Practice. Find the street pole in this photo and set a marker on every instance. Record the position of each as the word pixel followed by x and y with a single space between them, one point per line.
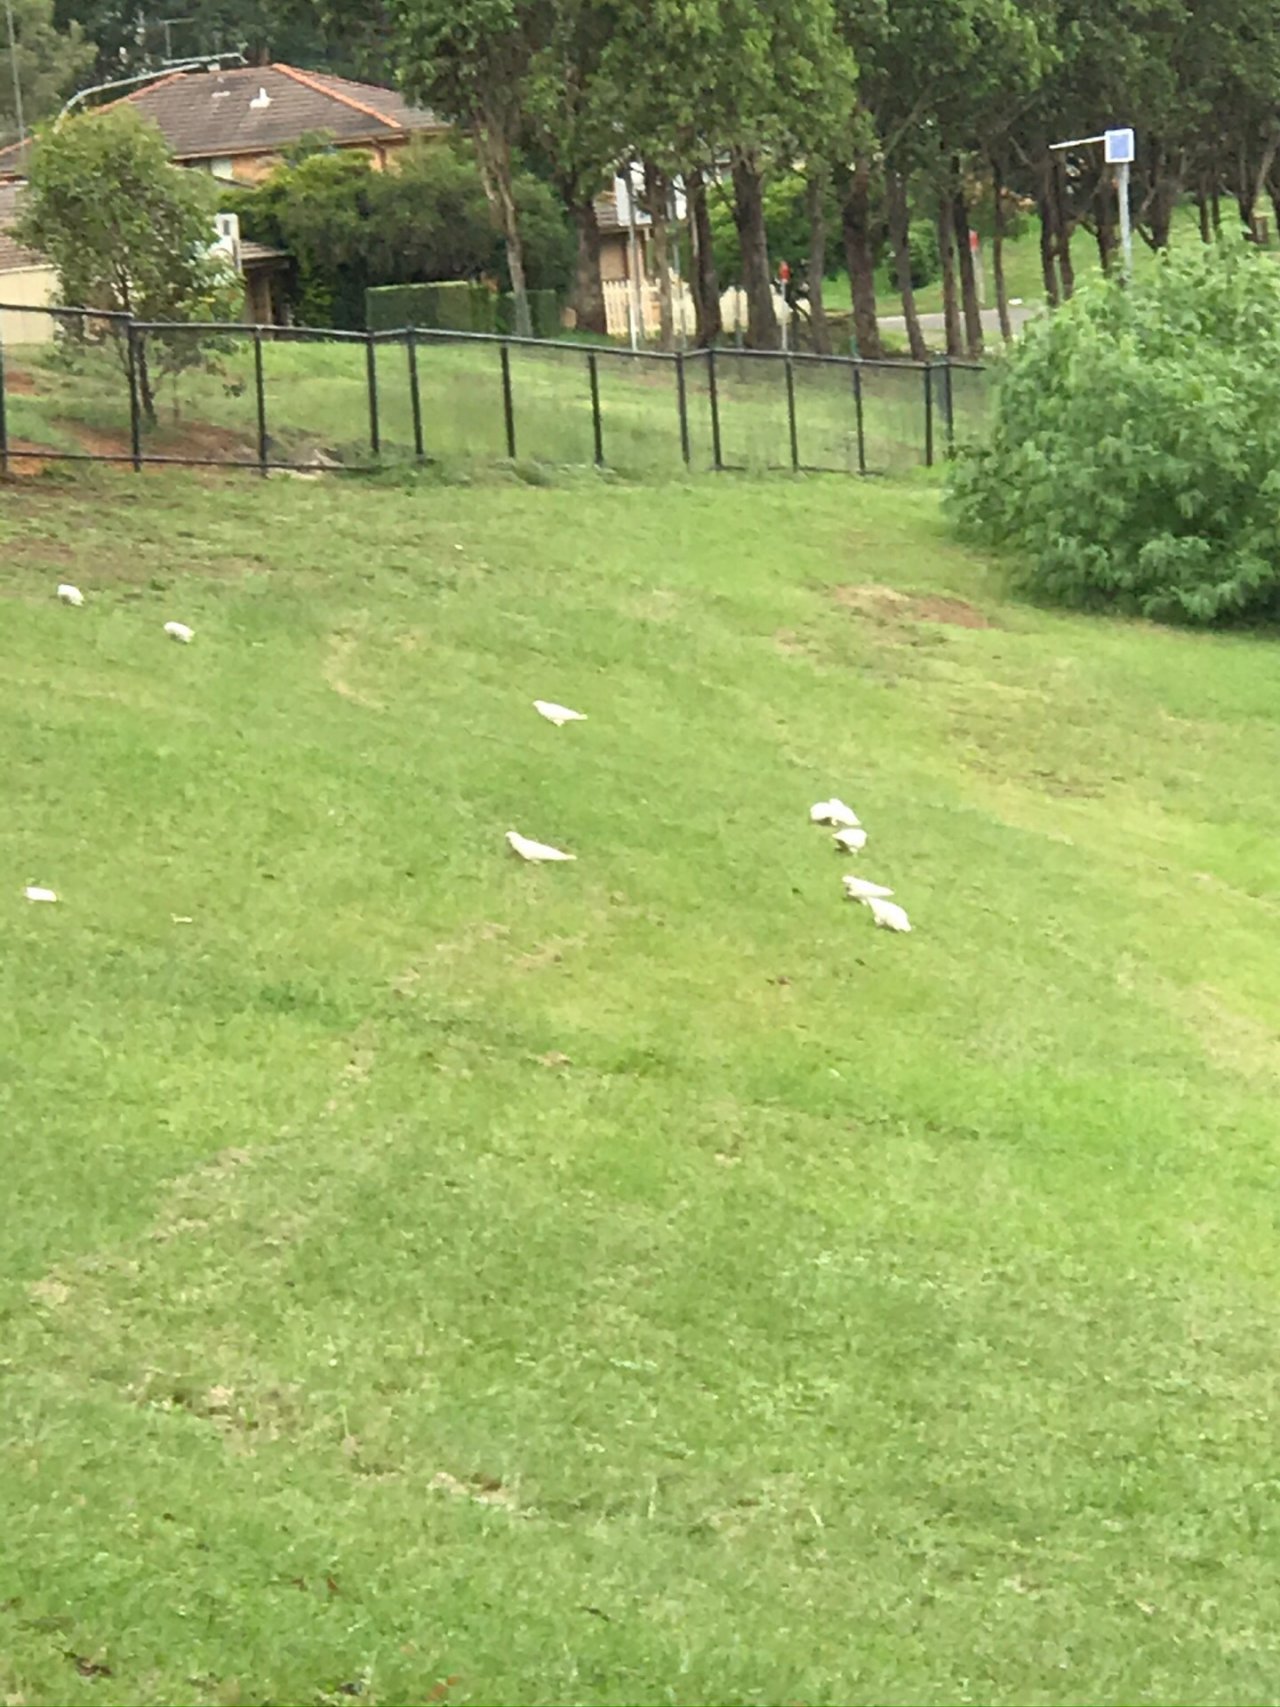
pixel 1126 226
pixel 13 67
pixel 1118 147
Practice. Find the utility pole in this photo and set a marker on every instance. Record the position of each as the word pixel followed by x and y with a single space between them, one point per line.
pixel 13 67
pixel 1118 152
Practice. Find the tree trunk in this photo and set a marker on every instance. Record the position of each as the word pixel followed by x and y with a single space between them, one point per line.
pixel 588 290
pixel 1202 209
pixel 1062 229
pixel 947 255
pixel 968 272
pixel 146 387
pixel 655 193
pixel 748 214
pixel 1048 238
pixel 817 196
pixel 997 251
pixel 1215 204
pixel 900 238
pixel 706 286
pixel 1105 224
pixel 859 258
pixel 493 157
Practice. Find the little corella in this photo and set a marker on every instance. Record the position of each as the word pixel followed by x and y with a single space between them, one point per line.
pixel 558 714
pixel 180 631
pixel 862 889
pixel 34 893
pixel 70 595
pixel 537 853
pixel 852 840
pixel 887 914
pixel 834 812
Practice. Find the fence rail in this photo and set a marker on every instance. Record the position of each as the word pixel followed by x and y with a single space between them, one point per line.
pixel 109 388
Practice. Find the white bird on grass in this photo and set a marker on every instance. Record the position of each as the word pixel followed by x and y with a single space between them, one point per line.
pixel 852 840
pixel 70 595
pixel 862 889
pixel 33 893
pixel 887 914
pixel 558 714
pixel 537 853
pixel 180 631
pixel 834 812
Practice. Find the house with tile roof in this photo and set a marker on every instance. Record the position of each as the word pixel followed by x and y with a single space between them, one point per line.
pixel 27 281
pixel 236 123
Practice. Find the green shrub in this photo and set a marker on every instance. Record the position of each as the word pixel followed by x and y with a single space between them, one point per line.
pixel 926 262
pixel 544 313
pixel 1134 456
pixel 451 305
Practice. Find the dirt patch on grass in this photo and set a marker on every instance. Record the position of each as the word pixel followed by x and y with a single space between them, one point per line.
pixel 19 382
pixel 340 651
pixel 887 605
pixel 1239 1042
pixel 27 460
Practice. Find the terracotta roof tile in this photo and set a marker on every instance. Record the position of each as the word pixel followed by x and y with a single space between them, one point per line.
pixel 12 254
pixel 210 115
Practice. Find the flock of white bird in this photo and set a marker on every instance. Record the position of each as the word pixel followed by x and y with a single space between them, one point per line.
pixel 849 836
pixel 69 595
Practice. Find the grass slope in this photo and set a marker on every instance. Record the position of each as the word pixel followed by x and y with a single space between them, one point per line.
pixel 433 1277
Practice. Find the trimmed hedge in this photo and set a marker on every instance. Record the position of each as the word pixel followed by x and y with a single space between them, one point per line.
pixel 457 305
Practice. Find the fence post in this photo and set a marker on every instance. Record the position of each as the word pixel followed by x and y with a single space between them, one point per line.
pixel 508 407
pixel 4 425
pixel 597 426
pixel 791 414
pixel 928 415
pixel 135 406
pixel 683 402
pixel 371 371
pixel 713 397
pixel 857 415
pixel 415 394
pixel 260 392
pixel 951 412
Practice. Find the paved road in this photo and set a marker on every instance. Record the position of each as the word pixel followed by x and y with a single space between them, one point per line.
pixel 933 324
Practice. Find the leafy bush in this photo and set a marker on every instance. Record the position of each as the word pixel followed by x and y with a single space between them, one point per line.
pixel 926 262
pixel 350 228
pixel 1134 457
pixel 458 305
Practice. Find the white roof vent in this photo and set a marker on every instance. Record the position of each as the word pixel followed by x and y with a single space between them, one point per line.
pixel 260 102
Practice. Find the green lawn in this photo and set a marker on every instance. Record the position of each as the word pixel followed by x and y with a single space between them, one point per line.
pixel 432 1277
pixel 317 399
pixel 1023 277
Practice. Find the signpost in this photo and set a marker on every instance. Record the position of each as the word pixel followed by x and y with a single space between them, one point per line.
pixel 1118 151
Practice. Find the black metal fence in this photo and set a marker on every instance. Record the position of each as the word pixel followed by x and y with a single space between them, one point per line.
pixel 77 385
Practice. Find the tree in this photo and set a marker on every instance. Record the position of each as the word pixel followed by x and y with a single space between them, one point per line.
pixel 573 129
pixel 349 227
pixel 1134 456
pixel 127 38
pixel 471 61
pixel 49 62
pixel 128 232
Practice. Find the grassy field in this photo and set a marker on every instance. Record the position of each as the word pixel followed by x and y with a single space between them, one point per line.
pixel 432 1278
pixel 317 399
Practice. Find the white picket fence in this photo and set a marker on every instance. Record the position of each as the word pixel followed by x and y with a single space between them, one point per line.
pixel 618 308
